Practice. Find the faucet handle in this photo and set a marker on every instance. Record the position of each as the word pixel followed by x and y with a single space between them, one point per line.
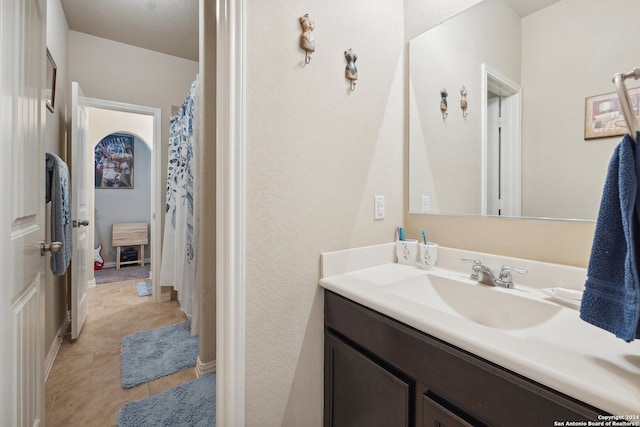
pixel 507 268
pixel 505 279
pixel 475 269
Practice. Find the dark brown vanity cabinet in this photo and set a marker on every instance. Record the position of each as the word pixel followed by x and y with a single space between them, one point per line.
pixel 380 372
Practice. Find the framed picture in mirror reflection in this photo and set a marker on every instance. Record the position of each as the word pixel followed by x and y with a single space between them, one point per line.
pixel 603 115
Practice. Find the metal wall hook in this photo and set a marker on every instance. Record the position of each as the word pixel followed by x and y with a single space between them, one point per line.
pixel 351 72
pixel 463 101
pixel 443 103
pixel 307 41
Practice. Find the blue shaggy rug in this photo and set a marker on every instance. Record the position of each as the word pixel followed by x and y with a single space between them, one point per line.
pixel 148 355
pixel 192 404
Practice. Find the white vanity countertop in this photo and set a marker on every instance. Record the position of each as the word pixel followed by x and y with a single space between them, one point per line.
pixel 562 352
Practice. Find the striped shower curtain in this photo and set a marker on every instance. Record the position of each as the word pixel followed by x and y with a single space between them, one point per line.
pixel 178 249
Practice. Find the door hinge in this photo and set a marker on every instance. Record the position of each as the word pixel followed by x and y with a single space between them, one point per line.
pixel 500 121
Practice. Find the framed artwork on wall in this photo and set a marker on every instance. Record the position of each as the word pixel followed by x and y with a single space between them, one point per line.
pixel 50 84
pixel 603 115
pixel 114 162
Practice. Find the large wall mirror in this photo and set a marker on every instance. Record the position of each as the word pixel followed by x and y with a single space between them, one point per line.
pixel 520 148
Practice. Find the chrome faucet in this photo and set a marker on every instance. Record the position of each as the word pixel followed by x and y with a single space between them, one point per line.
pixel 483 274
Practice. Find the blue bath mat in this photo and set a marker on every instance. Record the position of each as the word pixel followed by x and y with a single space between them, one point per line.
pixel 189 404
pixel 144 288
pixel 148 355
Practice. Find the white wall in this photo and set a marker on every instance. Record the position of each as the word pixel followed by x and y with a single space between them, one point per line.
pixel 115 71
pixel 316 156
pixel 570 52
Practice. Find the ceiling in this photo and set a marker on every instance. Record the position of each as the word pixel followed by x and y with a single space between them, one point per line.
pixel 527 7
pixel 166 26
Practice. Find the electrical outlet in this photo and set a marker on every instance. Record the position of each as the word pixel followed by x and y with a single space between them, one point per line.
pixel 378 207
pixel 424 207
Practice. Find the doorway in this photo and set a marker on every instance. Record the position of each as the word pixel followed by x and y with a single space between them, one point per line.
pixel 143 122
pixel 122 194
pixel 501 144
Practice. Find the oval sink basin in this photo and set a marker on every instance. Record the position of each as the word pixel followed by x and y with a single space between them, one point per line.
pixel 491 306
pixel 499 308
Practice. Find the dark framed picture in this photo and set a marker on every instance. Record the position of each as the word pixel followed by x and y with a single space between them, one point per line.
pixel 114 162
pixel 603 115
pixel 50 84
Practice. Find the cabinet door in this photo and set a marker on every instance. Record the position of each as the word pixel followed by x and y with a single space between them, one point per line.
pixel 359 392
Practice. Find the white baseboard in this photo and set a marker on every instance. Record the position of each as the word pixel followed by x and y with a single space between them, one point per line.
pixel 205 368
pixel 55 347
pixel 92 282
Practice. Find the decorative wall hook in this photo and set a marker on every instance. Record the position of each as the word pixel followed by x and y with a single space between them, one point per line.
pixel 306 39
pixel 443 103
pixel 351 72
pixel 463 101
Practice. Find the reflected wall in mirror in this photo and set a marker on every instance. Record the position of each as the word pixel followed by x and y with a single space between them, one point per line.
pixel 556 56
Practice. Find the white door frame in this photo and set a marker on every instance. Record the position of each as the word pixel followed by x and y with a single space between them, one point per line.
pixel 230 209
pixel 511 128
pixel 79 211
pixel 156 165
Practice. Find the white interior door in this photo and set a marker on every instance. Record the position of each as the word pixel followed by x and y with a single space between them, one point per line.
pixel 22 213
pixel 79 210
pixel 493 156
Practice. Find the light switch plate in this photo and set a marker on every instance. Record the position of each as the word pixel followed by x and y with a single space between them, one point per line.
pixel 378 207
pixel 424 207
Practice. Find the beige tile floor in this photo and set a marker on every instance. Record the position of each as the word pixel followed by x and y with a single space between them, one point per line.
pixel 83 387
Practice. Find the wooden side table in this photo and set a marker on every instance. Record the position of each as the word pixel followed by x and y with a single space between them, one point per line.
pixel 130 234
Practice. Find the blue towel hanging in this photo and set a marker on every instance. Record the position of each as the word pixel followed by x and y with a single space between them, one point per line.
pixel 58 192
pixel 611 299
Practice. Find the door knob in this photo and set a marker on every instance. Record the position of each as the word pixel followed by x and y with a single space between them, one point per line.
pixel 53 247
pixel 77 224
